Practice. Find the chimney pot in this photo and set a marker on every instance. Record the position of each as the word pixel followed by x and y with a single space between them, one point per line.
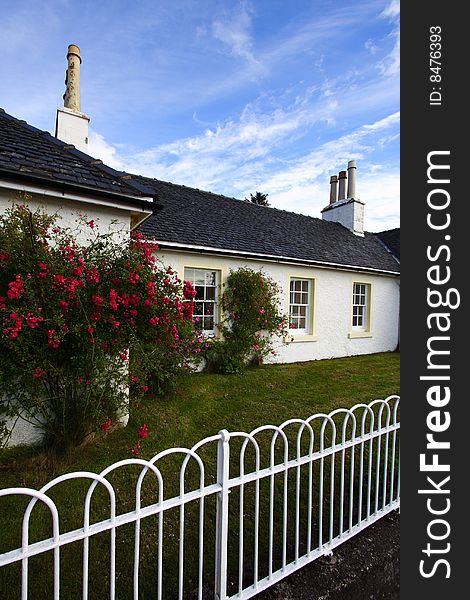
pixel 333 189
pixel 72 79
pixel 342 185
pixel 351 179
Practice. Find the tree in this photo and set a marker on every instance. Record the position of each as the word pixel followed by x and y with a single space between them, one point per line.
pixel 259 198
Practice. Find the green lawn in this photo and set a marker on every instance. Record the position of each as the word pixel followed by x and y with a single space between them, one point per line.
pixel 202 405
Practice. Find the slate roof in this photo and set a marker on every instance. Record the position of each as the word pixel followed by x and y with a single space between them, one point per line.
pixel 28 153
pixel 191 217
pixel 391 238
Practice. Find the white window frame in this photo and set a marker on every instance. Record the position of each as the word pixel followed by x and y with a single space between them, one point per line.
pixel 308 304
pixel 190 274
pixel 360 317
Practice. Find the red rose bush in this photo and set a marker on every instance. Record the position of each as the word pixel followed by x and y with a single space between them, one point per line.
pixel 80 322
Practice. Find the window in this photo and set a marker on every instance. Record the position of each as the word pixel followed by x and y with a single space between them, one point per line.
pixel 205 303
pixel 300 302
pixel 360 306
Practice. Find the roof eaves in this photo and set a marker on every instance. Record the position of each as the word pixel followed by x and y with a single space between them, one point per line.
pixel 272 257
pixel 148 202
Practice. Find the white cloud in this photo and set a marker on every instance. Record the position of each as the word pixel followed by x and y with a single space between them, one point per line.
pixel 371 46
pixel 235 32
pixel 239 158
pixel 392 9
pixel 390 65
pixel 99 148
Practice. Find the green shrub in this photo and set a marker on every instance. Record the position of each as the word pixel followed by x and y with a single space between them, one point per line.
pixel 252 319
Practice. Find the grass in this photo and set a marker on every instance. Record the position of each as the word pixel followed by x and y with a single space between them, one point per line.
pixel 202 405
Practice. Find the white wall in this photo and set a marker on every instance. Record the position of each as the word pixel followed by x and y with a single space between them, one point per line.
pixel 106 218
pixel 332 336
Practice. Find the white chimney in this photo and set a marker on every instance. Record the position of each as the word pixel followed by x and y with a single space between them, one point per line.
pixel 71 124
pixel 347 209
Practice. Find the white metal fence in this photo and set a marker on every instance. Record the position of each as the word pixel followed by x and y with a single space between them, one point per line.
pixel 293 493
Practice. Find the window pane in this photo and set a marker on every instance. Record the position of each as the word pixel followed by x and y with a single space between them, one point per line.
pixel 210 277
pixel 189 275
pixel 299 300
pixel 361 293
pixel 199 278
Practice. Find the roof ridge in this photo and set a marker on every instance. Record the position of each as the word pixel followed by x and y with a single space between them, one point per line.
pixel 231 198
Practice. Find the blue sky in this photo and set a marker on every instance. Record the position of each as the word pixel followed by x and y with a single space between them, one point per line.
pixel 228 96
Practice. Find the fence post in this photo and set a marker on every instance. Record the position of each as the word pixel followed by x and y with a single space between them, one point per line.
pixel 221 522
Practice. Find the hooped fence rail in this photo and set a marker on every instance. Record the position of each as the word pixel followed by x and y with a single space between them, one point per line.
pixel 306 488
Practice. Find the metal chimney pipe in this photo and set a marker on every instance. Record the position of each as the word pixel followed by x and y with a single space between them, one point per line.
pixel 352 179
pixel 72 79
pixel 333 189
pixel 342 185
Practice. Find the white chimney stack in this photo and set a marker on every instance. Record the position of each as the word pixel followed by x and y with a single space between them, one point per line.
pixel 346 209
pixel 71 124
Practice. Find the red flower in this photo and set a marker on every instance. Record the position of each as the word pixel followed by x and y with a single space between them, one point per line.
pixel 52 341
pixel 142 432
pixel 136 449
pixel 93 275
pixel 44 270
pixel 113 300
pixel 106 425
pixel 79 270
pixel 38 373
pixel 63 305
pixel 15 288
pixel 33 321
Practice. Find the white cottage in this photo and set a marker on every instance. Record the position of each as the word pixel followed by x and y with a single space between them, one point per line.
pixel 340 284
